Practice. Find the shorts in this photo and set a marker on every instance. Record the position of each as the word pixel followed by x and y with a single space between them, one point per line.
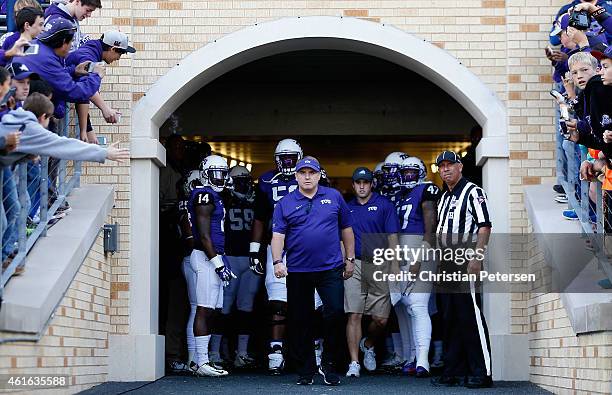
pixel 363 295
pixel 241 291
pixel 276 287
pixel 203 283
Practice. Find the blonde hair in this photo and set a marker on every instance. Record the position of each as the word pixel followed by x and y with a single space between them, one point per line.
pixel 21 4
pixel 583 57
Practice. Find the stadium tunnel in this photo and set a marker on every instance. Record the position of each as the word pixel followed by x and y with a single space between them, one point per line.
pixel 345 108
pixel 350 91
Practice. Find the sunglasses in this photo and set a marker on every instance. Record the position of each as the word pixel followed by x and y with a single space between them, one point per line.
pixel 120 51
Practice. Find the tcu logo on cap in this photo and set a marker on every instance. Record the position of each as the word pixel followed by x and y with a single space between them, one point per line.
pixel 117 43
pixel 325 201
pixel 307 161
pixel 373 208
pixel 362 172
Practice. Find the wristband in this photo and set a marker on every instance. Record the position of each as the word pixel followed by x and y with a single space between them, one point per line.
pixel 598 12
pixel 217 261
pixel 351 260
pixel 254 246
pixel 276 262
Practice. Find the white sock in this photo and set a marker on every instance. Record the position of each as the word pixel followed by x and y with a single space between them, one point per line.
pixel 397 344
pixel 215 344
pixel 243 344
pixel 190 337
pixel 201 343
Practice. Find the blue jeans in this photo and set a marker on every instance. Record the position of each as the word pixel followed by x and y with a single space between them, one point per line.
pixel 34 187
pixel 12 207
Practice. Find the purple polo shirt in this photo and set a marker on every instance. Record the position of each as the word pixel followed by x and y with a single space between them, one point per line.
pixel 377 216
pixel 312 229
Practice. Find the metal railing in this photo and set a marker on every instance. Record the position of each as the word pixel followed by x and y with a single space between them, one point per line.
pixel 591 215
pixel 56 176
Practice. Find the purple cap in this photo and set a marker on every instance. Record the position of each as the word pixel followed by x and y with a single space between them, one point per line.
pixel 55 27
pixel 20 71
pixel 605 54
pixel 561 25
pixel 309 162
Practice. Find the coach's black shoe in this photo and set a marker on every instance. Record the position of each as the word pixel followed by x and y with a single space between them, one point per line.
pixel 329 376
pixel 445 381
pixel 479 382
pixel 305 380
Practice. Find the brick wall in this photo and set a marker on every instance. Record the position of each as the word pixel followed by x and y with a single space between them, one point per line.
pixel 76 341
pixel 562 362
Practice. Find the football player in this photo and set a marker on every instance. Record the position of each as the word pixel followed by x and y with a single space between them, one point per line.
pixel 377 182
pixel 390 174
pixel 241 292
pixel 272 187
pixel 416 206
pixel 191 182
pixel 209 271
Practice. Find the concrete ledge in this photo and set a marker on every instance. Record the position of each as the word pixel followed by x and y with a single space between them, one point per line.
pixel 587 312
pixel 31 299
pixel 136 357
pixel 147 148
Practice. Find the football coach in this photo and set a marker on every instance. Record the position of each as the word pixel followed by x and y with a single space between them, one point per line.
pixel 308 225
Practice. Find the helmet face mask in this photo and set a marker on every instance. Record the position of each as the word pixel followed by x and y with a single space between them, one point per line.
pixel 214 173
pixel 411 172
pixel 286 156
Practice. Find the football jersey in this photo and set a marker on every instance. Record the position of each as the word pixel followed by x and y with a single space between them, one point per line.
pixel 408 204
pixel 270 189
pixel 202 197
pixel 238 224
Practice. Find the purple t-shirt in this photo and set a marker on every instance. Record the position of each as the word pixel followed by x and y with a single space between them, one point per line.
pixel 375 217
pixel 312 229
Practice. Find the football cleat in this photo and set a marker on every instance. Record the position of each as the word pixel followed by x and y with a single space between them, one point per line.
pixel 421 372
pixel 276 363
pixel 208 369
pixel 393 362
pixel 244 361
pixel 329 376
pixel 409 368
pixel 354 369
pixel 178 367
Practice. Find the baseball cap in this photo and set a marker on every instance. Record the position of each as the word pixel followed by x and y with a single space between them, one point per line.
pixel 449 156
pixel 605 52
pixel 362 173
pixel 55 27
pixel 309 162
pixel 561 25
pixel 117 39
pixel 20 71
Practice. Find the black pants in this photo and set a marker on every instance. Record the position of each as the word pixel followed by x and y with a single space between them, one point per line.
pixel 300 303
pixel 466 341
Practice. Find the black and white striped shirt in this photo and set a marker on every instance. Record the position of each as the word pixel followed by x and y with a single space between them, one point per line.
pixel 461 212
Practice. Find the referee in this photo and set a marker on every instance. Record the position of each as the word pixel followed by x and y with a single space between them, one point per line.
pixel 463 221
pixel 308 224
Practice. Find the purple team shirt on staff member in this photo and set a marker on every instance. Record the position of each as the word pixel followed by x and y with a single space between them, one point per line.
pixel 312 229
pixel 376 216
